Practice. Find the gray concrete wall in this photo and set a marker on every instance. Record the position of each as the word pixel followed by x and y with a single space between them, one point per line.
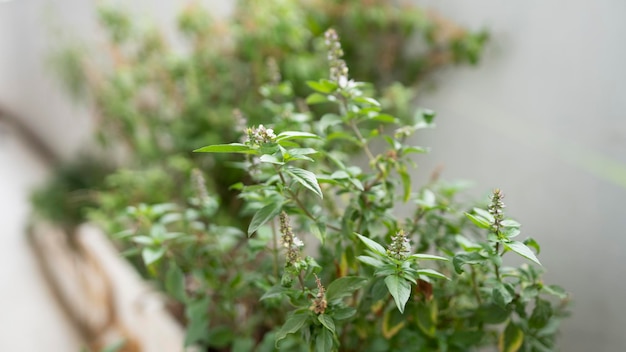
pixel 544 118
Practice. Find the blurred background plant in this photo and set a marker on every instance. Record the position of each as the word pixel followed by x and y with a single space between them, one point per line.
pixel 155 99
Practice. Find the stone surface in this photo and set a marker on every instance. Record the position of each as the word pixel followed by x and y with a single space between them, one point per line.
pixel 30 318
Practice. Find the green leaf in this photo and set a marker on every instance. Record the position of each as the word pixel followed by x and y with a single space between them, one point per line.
pixel 479 221
pixel 152 254
pixel 466 258
pixel 400 290
pixel 425 114
pixel 370 261
pixel 511 339
pixel 384 118
pixel 175 283
pixel 367 100
pixel 287 135
pixel 264 215
pixel 432 273
pixel 510 223
pixel 427 257
pixel 323 86
pixel 522 249
pixel 302 151
pixel 329 120
pixel 317 98
pixel 485 214
pixel 344 313
pixel 197 314
pixel 406 183
pixel 372 245
pixel 555 290
pixel 293 324
pixel 307 179
pixel 324 341
pixel 530 242
pixel 273 292
pixel 428 199
pixel 414 150
pixel 541 314
pixel 319 231
pixel 466 244
pixel 510 232
pixel 327 321
pixel 270 159
pixel 427 317
pixel 344 286
pixel 501 296
pixel 227 148
pixel 145 240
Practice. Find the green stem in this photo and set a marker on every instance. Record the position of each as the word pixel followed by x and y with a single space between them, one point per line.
pixel 298 202
pixel 495 266
pixel 475 286
pixel 275 249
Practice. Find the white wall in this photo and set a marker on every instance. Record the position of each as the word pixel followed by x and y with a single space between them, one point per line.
pixel 541 118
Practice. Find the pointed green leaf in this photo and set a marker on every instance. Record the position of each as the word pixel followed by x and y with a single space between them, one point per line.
pixel 274 291
pixel 523 250
pixel 287 135
pixel 370 261
pixel 324 341
pixel 226 148
pixel 270 159
pixel 264 215
pixel 466 258
pixel 530 242
pixel 367 100
pixel 344 286
pixel 406 183
pixel 323 86
pixel 510 223
pixel 317 98
pixel 175 283
pixel 372 245
pixel 485 214
pixel 432 273
pixel 293 324
pixel 501 296
pixel 555 290
pixel 400 290
pixel 428 257
pixel 152 254
pixel 479 221
pixel 327 321
pixel 511 338
pixel 307 179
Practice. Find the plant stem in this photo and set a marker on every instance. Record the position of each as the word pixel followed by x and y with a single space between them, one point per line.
pixel 495 266
pixel 475 286
pixel 275 249
pixel 298 202
pixel 301 282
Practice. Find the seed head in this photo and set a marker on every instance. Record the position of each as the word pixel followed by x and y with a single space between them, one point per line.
pixel 319 301
pixel 496 208
pixel 338 67
pixel 400 247
pixel 290 242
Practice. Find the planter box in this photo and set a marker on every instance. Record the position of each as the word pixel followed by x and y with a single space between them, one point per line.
pixel 107 301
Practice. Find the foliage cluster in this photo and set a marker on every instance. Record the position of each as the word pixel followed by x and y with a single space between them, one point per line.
pixel 155 98
pixel 282 239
